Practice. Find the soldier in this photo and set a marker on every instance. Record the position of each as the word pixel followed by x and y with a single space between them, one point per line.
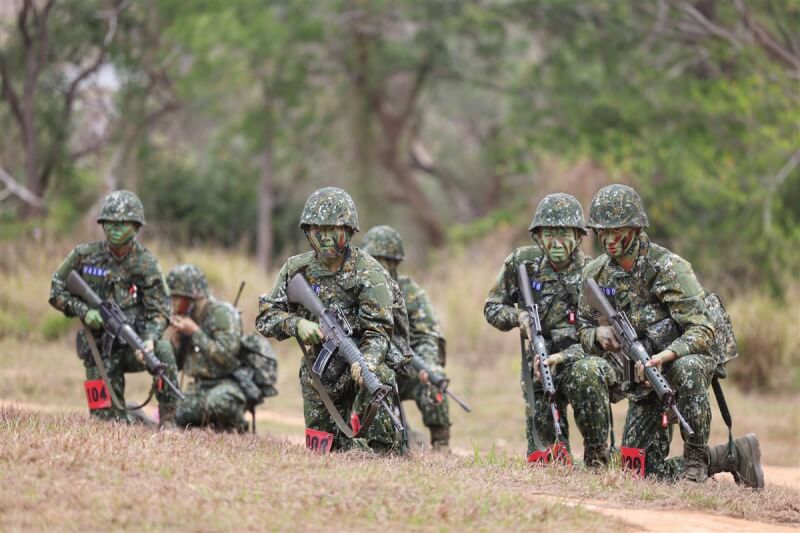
pixel 658 291
pixel 123 270
pixel 343 276
pixel 554 266
pixel 206 334
pixel 385 244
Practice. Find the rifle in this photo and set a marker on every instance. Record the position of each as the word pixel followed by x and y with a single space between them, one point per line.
pixel 633 349
pixel 117 326
pixel 538 347
pixel 337 333
pixel 438 380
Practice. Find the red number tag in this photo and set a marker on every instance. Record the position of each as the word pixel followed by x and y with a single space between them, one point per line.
pixel 97 394
pixel 633 459
pixel 557 453
pixel 318 441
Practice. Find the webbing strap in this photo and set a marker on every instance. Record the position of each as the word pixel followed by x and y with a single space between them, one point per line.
pixel 98 362
pixel 344 427
pixel 723 409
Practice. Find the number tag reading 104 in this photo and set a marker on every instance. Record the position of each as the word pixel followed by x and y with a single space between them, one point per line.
pixel 633 460
pixel 97 394
pixel 318 441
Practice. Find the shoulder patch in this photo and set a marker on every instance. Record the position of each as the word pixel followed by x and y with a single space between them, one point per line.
pixel 526 253
pixel 594 266
pixel 296 262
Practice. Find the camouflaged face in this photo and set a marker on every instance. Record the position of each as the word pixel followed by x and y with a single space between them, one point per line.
pixel 187 280
pixel 558 210
pixel 384 241
pixel 122 206
pixel 617 206
pixel 329 206
pixel 213 352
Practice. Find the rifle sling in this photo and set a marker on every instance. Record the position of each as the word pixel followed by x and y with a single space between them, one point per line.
pixel 527 379
pixel 372 409
pixel 723 409
pixel 98 362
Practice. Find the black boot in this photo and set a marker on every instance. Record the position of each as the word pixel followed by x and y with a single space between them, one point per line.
pixel 595 455
pixel 440 438
pixel 166 415
pixel 696 462
pixel 744 461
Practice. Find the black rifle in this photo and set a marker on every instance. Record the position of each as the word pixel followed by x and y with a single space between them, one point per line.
pixel 337 333
pixel 117 326
pixel 438 380
pixel 633 349
pixel 538 346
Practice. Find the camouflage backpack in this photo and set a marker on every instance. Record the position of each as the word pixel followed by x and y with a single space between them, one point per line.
pixel 724 347
pixel 259 372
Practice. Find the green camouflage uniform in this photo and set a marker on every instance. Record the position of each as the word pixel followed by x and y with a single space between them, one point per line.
pixel 580 381
pixel 363 291
pixel 137 284
pixel 664 303
pixel 426 342
pixel 211 356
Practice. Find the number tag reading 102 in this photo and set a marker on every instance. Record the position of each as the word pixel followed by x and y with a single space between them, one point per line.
pixel 633 459
pixel 318 441
pixel 97 394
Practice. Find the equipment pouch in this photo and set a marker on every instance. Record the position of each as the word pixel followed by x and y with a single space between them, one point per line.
pixel 244 377
pixel 563 338
pixel 662 333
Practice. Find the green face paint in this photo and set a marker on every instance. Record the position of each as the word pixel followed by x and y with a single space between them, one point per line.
pixel 119 233
pixel 328 242
pixel 558 243
pixel 617 242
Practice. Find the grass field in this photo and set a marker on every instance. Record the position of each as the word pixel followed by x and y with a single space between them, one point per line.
pixel 60 471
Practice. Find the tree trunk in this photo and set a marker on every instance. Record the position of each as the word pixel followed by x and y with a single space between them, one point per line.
pixel 264 237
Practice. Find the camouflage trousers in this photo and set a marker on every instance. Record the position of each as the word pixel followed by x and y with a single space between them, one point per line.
pixel 689 377
pixel 431 403
pixel 381 436
pixel 583 384
pixel 121 361
pixel 218 403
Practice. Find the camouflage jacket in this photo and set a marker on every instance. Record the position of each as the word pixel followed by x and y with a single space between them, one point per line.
pixel 556 294
pixel 661 297
pixel 361 289
pixel 212 352
pixel 425 335
pixel 135 282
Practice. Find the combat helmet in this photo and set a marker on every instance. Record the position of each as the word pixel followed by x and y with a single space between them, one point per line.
pixel 121 206
pixel 558 210
pixel 617 206
pixel 187 280
pixel 384 241
pixel 329 206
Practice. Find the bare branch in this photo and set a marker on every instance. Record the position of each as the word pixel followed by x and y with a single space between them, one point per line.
pixel 22 23
pixel 9 93
pixel 765 39
pixel 709 26
pixel 18 190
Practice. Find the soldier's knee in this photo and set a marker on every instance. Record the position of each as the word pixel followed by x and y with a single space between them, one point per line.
pixel 689 374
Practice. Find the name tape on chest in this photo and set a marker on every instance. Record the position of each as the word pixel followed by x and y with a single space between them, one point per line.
pixel 537 285
pixel 92 270
pixel 317 288
pixel 609 291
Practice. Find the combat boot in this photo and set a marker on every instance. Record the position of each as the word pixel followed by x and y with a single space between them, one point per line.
pixel 440 438
pixel 595 456
pixel 696 462
pixel 744 462
pixel 166 416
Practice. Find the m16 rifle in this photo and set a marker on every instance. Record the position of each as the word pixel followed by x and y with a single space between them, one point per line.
pixel 117 326
pixel 337 333
pixel 633 349
pixel 438 380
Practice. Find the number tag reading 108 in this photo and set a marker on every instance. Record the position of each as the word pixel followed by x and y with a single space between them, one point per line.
pixel 97 394
pixel 318 441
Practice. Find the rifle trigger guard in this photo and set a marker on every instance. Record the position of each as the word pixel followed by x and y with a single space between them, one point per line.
pixel 348 329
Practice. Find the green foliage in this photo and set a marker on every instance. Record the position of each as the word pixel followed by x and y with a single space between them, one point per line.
pixel 55 325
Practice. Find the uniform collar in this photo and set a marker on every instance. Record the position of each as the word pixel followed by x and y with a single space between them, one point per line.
pixel 319 270
pixel 641 260
pixel 548 273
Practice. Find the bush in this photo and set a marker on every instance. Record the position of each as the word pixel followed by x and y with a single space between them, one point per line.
pixel 55 325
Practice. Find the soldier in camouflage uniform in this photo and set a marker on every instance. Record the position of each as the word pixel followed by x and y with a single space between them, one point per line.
pixel 658 291
pixel 426 340
pixel 206 335
pixel 344 276
pixel 123 270
pixel 554 266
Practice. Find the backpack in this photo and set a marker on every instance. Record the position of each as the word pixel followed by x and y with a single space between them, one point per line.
pixel 259 371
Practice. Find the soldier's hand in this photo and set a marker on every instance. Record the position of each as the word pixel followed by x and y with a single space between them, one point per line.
pixel 423 377
pixel 657 360
pixel 552 361
pixel 355 373
pixel 309 332
pixel 525 324
pixel 605 338
pixel 185 325
pixel 93 319
pixel 149 345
